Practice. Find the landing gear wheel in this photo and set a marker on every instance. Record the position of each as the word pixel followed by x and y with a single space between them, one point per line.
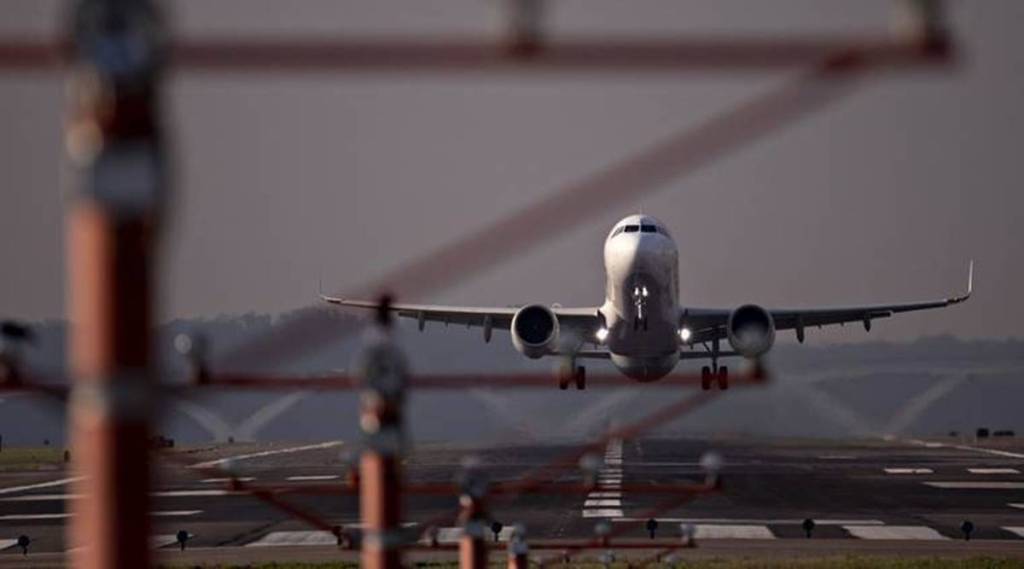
pixel 581 378
pixel 563 382
pixel 705 378
pixel 723 378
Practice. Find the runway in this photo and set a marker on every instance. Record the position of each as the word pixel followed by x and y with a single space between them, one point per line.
pixel 879 497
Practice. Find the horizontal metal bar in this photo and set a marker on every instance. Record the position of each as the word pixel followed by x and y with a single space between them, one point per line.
pixel 482 54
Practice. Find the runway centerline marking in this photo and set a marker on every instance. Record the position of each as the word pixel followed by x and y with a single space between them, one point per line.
pixel 909 471
pixel 50 484
pixel 1019 530
pixel 979 485
pixel 1017 505
pixel 893 532
pixel 261 454
pixel 993 471
pixel 6 543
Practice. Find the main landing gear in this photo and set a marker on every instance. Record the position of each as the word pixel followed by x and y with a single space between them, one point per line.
pixel 717 374
pixel 714 373
pixel 572 374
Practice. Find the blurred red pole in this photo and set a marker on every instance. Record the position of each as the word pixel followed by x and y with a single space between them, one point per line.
pixel 383 368
pixel 114 136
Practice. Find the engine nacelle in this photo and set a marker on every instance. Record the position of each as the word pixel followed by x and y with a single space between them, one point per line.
pixel 751 330
pixel 534 330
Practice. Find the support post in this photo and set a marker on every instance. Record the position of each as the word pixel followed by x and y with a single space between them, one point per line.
pixel 473 517
pixel 383 369
pixel 114 136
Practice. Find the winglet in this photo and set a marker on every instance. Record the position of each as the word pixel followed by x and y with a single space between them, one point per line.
pixel 970 285
pixel 970 278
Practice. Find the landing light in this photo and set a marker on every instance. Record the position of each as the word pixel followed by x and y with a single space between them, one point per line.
pixel 601 334
pixel 684 334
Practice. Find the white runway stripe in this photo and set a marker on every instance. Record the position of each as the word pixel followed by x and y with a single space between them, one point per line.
pixel 226 480
pixel 50 484
pixel 1019 530
pixel 717 531
pixel 909 471
pixel 312 477
pixel 175 513
pixel 289 450
pixel 603 513
pixel 41 498
pixel 158 541
pixel 756 521
pixel 192 493
pixel 606 495
pixel 893 532
pixel 979 485
pixel 29 517
pixel 451 535
pixel 159 494
pixel 7 543
pixel 1016 505
pixel 606 503
pixel 286 538
pixel 65 515
pixel 993 471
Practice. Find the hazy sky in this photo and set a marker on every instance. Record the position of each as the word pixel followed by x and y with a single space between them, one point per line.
pixel 285 179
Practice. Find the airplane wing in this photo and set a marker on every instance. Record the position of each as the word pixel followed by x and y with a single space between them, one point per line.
pixel 581 321
pixel 708 324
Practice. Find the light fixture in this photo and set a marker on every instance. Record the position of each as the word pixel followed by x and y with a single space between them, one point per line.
pixel 685 334
pixel 601 334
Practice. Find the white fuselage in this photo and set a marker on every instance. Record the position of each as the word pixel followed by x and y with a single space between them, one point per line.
pixel 641 308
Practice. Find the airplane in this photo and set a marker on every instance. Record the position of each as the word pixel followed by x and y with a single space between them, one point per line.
pixel 642 327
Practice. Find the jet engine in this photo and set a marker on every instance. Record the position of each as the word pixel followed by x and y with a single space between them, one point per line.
pixel 534 330
pixel 751 330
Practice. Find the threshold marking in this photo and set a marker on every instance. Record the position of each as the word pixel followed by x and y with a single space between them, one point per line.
pixel 603 513
pixel 605 503
pixel 893 532
pixel 980 485
pixel 993 471
pixel 261 454
pixel 909 471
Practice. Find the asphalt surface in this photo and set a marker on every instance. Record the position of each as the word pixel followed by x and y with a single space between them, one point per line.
pixel 875 497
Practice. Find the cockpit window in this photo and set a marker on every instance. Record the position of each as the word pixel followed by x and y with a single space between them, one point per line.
pixel 632 228
pixel 649 228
